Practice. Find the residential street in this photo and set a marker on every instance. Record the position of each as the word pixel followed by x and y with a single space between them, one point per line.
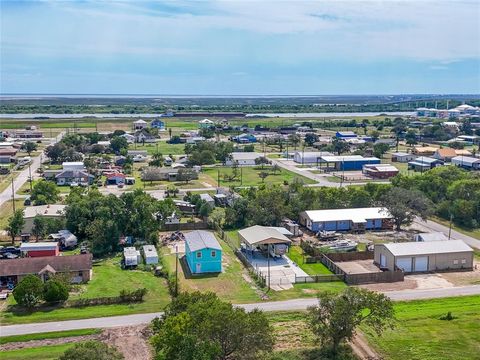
pixel 295 304
pixel 6 195
pixel 432 226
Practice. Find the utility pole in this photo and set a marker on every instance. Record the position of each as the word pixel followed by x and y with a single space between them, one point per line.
pixel 30 173
pixel 13 196
pixel 241 176
pixel 218 178
pixel 268 260
pixel 450 227
pixel 176 270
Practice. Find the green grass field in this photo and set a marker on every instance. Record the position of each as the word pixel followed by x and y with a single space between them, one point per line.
pixel 48 335
pixel 420 334
pixel 108 279
pixel 475 233
pixel 249 176
pixel 296 255
pixel 228 285
pixel 160 146
pixel 50 352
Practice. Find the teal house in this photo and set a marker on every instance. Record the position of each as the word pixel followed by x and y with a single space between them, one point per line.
pixel 203 252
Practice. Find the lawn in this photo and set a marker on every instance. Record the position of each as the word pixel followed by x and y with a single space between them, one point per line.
pixel 50 352
pixel 6 211
pixel 420 334
pixel 108 279
pixel 48 335
pixel 160 146
pixel 248 176
pixel 228 285
pixel 295 253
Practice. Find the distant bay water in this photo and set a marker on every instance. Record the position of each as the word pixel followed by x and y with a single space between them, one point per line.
pixel 268 115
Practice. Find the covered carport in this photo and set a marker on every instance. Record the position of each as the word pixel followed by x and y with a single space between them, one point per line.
pixel 265 239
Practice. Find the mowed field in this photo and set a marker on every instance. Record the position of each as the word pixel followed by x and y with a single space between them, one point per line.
pixel 420 334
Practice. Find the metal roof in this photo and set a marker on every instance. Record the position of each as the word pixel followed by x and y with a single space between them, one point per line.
pixel 427 248
pixel 257 235
pixel 45 210
pixel 282 230
pixel 354 215
pixel 149 250
pixel 347 158
pixel 435 236
pixel 201 239
pixel 38 246
pixel 465 160
pixel 245 155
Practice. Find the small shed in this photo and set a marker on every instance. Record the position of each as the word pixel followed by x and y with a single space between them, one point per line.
pixel 39 249
pixel 203 252
pixel 150 255
pixel 402 157
pixel 208 199
pixel 435 236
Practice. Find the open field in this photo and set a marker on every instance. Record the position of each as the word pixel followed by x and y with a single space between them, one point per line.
pixel 475 233
pixel 248 176
pixel 420 334
pixel 229 285
pixel 101 285
pixel 161 146
pixel 48 335
pixel 6 210
pixel 50 352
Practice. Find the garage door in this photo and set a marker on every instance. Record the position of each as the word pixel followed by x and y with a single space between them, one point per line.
pixel 405 264
pixel 383 261
pixel 421 263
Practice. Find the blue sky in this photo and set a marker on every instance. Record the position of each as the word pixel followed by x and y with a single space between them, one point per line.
pixel 240 47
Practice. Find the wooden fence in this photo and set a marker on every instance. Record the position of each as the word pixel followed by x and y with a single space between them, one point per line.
pixel 202 225
pixel 318 278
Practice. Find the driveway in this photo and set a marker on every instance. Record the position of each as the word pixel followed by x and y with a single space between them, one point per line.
pixel 288 305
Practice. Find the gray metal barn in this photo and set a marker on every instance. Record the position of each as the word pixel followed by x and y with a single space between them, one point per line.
pixel 424 256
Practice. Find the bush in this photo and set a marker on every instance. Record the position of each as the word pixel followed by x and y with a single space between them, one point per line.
pixel 55 291
pixel 447 317
pixel 29 291
pixel 91 350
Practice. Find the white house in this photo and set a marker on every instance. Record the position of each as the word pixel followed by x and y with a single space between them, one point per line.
pixel 243 158
pixel 403 157
pixel 130 138
pixel 205 124
pixel 309 157
pixel 139 124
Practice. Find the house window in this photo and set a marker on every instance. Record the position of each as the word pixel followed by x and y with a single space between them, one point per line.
pixel 214 253
pixel 464 261
pixel 199 255
pixel 455 262
pixel 80 273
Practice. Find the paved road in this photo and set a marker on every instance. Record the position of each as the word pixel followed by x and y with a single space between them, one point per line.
pixel 432 226
pixel 24 175
pixel 295 304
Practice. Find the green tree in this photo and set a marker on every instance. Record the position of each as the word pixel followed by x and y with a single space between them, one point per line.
pixel 39 227
pixel 29 147
pixel 337 316
pixel 54 152
pixel 29 291
pixel 55 291
pixel 411 137
pixel 263 175
pixel 91 350
pixel 187 175
pixel 310 139
pixel 380 149
pixel 399 128
pixel 157 160
pixel 15 225
pixel 217 217
pixel 295 140
pixel 405 205
pixel 276 168
pixel 340 146
pixel 44 192
pixel 262 161
pixel 199 326
pixel 117 143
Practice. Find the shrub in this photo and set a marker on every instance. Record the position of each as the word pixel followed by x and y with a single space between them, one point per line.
pixel 55 291
pixel 90 350
pixel 28 291
pixel 447 317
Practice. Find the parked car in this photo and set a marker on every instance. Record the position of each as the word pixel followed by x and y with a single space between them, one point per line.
pixel 27 201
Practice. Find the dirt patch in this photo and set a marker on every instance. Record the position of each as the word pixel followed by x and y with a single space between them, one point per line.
pixel 408 284
pixel 46 342
pixel 131 341
pixel 430 281
pixel 462 278
pixel 292 335
pixel 362 350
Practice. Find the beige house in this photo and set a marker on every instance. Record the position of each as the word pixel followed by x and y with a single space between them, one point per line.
pixel 424 256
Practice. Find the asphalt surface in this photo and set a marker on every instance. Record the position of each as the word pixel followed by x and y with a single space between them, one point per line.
pixel 432 226
pixel 24 175
pixel 288 305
